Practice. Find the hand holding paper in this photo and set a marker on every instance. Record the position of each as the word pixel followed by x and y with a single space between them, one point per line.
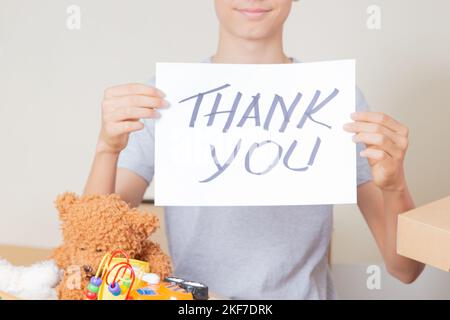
pixel 387 142
pixel 122 108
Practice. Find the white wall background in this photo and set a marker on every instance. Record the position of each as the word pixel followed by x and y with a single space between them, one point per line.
pixel 52 80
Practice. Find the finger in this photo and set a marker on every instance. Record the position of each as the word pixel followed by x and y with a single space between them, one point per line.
pixel 123 127
pixel 381 142
pixel 374 155
pixel 132 113
pixel 135 101
pixel 370 127
pixel 382 119
pixel 133 89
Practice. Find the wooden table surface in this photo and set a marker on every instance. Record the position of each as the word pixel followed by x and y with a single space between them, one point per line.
pixel 23 256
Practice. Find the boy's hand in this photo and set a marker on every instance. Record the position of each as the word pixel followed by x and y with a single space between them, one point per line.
pixel 122 108
pixel 387 142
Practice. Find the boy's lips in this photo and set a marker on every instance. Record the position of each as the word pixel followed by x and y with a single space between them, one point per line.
pixel 254 12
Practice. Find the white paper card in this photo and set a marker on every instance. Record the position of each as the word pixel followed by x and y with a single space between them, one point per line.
pixel 255 134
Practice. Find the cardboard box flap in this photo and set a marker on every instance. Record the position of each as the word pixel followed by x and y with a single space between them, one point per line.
pixel 424 234
pixel 435 214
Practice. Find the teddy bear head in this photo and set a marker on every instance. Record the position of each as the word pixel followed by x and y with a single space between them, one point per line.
pixel 93 225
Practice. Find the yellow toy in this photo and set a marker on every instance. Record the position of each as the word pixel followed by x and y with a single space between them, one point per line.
pixel 171 289
pixel 161 291
pixel 116 277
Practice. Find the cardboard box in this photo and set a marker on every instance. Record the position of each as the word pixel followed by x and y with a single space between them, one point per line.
pixel 424 234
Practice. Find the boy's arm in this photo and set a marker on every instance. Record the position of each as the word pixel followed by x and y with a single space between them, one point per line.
pixel 130 186
pixel 380 210
pixel 102 178
pixel 383 199
pixel 106 178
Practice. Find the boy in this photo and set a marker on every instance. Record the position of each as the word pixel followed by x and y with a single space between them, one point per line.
pixel 255 252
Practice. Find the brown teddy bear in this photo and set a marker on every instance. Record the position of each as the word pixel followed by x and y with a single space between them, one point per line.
pixel 93 225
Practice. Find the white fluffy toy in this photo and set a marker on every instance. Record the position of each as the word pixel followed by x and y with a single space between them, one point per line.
pixel 35 282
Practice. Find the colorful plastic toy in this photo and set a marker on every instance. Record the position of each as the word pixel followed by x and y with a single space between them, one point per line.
pixel 116 276
pixel 122 278
pixel 172 289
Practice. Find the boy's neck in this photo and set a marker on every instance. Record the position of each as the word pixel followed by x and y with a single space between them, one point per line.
pixel 232 49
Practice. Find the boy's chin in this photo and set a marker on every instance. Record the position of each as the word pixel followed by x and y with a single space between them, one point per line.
pixel 254 34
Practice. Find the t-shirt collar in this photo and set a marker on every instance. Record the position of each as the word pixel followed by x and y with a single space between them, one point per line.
pixel 209 60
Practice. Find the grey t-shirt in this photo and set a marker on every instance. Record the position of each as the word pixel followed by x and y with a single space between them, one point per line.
pixel 267 252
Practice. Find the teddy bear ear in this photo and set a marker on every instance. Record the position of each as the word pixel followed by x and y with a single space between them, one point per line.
pixel 64 202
